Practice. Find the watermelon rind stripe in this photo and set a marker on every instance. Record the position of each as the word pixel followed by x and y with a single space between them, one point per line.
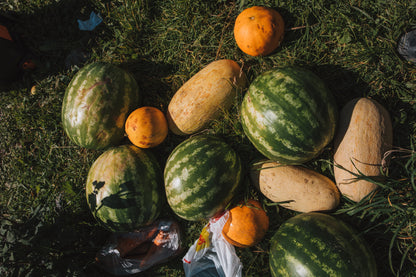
pixel 313 244
pixel 131 181
pixel 201 175
pixel 289 115
pixel 96 104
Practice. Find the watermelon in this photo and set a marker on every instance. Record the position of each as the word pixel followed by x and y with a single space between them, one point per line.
pixel 289 115
pixel 124 188
pixel 316 244
pixel 201 176
pixel 96 104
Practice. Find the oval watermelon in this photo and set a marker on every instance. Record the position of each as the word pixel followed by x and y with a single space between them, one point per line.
pixel 123 188
pixel 96 104
pixel 289 115
pixel 316 244
pixel 201 176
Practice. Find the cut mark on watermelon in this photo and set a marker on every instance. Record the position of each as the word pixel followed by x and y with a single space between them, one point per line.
pixel 106 80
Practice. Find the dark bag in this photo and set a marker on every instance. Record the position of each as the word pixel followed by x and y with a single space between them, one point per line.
pixel 14 59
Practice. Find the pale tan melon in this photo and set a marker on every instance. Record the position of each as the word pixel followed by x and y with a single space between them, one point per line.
pixel 203 97
pixel 307 189
pixel 364 134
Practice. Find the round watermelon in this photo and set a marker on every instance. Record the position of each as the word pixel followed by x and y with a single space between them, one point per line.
pixel 124 187
pixel 201 176
pixel 96 104
pixel 316 244
pixel 289 115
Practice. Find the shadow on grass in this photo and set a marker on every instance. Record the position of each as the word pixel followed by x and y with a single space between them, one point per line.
pixel 67 247
pixel 344 84
pixel 347 85
pixel 64 248
pixel 379 240
pixel 51 37
pixel 148 75
pixel 403 118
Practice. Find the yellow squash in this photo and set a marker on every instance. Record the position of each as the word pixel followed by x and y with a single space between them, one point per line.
pixel 203 97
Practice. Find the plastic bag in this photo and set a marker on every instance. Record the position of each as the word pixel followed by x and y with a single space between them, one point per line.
pixel 211 254
pixel 15 59
pixel 407 46
pixel 133 252
pixel 91 23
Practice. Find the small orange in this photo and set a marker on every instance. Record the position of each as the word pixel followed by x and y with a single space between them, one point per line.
pixel 247 224
pixel 146 127
pixel 258 30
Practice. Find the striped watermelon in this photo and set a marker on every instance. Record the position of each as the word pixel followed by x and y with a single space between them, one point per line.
pixel 96 104
pixel 201 176
pixel 289 115
pixel 315 244
pixel 124 188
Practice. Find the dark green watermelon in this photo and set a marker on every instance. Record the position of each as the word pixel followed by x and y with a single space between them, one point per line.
pixel 96 105
pixel 289 115
pixel 201 176
pixel 316 244
pixel 124 187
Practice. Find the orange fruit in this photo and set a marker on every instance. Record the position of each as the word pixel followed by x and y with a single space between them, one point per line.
pixel 247 224
pixel 258 30
pixel 146 127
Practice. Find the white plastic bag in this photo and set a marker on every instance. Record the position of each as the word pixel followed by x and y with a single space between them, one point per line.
pixel 211 254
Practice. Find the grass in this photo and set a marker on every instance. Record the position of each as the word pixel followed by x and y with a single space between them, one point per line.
pixel 45 224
